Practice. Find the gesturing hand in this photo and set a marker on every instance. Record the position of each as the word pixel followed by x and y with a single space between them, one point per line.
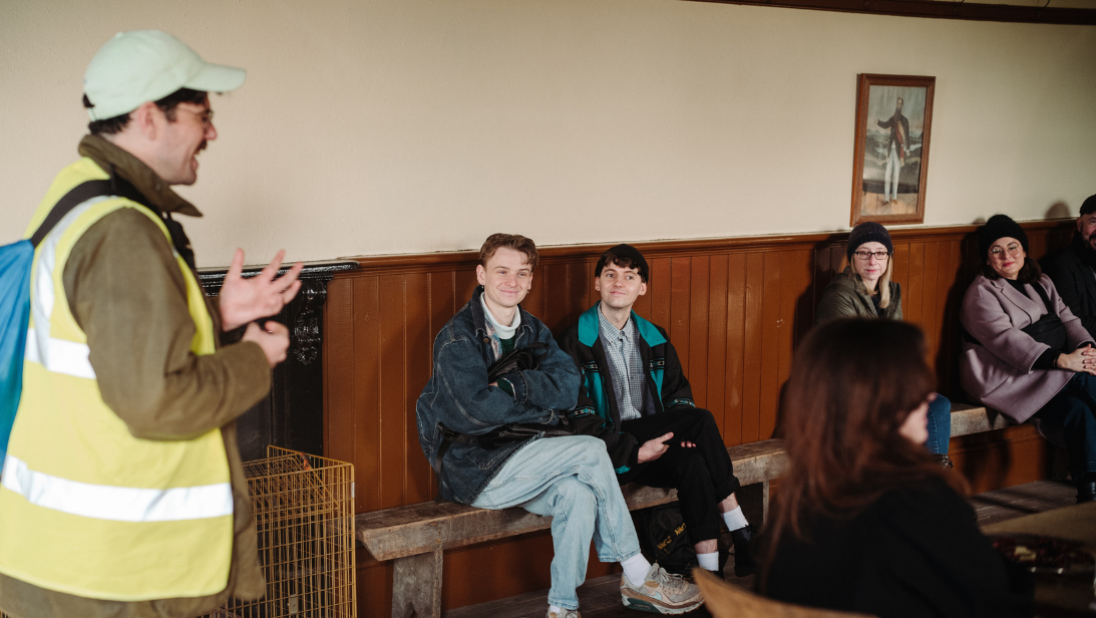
pixel 274 340
pixel 654 448
pixel 243 300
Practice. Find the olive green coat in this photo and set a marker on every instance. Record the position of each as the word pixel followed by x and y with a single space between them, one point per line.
pixel 842 299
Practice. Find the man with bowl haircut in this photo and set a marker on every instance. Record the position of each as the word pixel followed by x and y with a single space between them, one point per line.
pixel 567 477
pixel 123 494
pixel 655 434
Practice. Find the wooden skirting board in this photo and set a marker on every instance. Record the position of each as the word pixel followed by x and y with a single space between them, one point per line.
pixel 735 309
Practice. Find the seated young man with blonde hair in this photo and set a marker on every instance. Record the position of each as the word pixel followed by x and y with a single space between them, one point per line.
pixel 567 477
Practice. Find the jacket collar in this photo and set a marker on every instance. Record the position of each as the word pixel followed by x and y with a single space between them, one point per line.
pixel 1034 308
pixel 115 160
pixel 479 321
pixel 589 327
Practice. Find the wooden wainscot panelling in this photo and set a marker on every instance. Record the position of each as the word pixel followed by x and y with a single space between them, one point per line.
pixel 735 309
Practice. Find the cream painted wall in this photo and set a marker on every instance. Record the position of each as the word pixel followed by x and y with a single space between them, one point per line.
pixel 402 126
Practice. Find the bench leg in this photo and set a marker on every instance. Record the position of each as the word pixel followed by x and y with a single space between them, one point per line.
pixel 416 586
pixel 754 500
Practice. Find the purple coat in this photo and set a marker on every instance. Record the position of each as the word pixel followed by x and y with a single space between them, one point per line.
pixel 999 372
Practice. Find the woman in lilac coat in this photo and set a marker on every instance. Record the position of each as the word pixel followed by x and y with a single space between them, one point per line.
pixel 1024 353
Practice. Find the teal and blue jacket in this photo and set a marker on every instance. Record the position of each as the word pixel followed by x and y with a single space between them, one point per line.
pixel 667 386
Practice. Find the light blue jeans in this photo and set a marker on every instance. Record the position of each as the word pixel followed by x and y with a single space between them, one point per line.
pixel 939 425
pixel 571 479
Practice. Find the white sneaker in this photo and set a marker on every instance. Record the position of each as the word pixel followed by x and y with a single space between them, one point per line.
pixel 661 593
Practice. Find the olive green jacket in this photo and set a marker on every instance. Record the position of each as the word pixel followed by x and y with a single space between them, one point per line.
pixel 841 299
pixel 126 291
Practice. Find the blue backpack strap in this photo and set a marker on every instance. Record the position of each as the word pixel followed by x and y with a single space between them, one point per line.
pixel 16 261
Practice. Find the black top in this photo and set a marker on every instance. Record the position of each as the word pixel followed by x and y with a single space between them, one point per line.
pixel 916 552
pixel 1049 358
pixel 1071 270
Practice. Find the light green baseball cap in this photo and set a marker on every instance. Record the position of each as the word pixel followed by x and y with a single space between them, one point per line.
pixel 147 65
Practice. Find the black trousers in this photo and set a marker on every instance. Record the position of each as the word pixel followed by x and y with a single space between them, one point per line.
pixel 703 476
pixel 1074 408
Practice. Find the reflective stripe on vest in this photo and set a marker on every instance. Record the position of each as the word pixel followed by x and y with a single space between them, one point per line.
pixel 116 503
pixel 59 356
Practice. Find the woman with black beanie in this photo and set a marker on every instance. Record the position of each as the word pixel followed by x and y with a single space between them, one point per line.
pixel 1025 353
pixel 865 290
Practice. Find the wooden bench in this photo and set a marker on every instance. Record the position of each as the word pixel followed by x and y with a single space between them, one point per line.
pixel 415 536
pixel 967 419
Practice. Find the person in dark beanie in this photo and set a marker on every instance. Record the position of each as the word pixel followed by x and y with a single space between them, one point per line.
pixel 656 436
pixel 997 227
pixel 1024 352
pixel 1073 269
pixel 865 290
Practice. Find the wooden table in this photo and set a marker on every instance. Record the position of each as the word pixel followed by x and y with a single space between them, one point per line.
pixel 1059 595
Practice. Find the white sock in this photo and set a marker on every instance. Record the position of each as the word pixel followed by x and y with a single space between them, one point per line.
pixel 555 608
pixel 735 519
pixel 709 562
pixel 635 569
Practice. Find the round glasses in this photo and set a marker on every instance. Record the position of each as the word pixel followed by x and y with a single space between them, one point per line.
pixel 205 116
pixel 1012 248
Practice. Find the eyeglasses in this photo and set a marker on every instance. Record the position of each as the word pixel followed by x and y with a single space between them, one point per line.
pixel 206 115
pixel 1013 250
pixel 867 255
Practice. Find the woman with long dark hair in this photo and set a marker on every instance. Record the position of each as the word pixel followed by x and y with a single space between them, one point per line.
pixel 865 520
pixel 1025 353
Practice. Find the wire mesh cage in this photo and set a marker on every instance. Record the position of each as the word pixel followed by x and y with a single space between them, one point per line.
pixel 304 513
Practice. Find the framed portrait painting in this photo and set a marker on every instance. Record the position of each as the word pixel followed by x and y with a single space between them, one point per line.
pixel 891 159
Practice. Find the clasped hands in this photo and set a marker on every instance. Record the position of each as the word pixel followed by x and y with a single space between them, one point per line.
pixel 242 301
pixel 1081 359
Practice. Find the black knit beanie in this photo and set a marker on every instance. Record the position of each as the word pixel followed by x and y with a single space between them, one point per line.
pixel 869 231
pixel 998 227
pixel 1089 205
pixel 628 252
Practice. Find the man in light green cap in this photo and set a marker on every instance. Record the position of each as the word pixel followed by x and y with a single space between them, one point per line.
pixel 122 493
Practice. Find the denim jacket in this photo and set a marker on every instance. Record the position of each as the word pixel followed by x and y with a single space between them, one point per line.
pixel 458 396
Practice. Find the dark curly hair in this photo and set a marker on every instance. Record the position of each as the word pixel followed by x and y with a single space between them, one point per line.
pixel 112 126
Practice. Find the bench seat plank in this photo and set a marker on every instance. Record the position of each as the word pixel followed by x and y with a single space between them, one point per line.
pixel 429 526
pixel 970 419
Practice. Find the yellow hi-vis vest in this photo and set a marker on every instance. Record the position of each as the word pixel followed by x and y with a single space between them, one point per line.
pixel 86 508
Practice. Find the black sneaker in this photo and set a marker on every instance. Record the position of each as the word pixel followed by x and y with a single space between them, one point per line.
pixel 744 564
pixel 1086 488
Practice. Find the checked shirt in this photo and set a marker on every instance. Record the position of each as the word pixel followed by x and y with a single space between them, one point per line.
pixel 626 366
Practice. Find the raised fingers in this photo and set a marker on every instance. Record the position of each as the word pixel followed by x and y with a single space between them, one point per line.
pixel 237 265
pixel 271 269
